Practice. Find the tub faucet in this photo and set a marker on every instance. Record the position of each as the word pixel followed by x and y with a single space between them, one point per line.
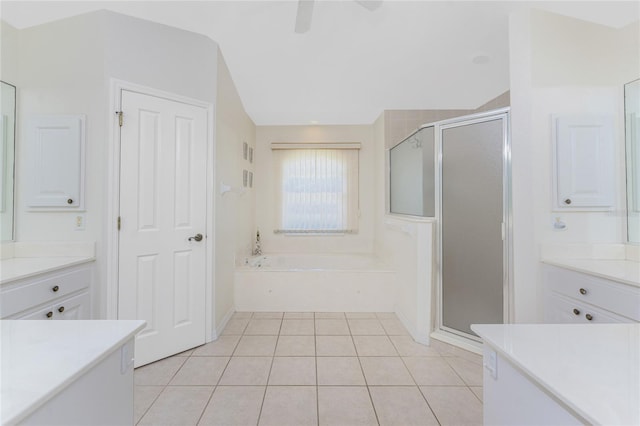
pixel 257 251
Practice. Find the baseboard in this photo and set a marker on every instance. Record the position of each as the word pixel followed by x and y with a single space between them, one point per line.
pixel 418 337
pixel 459 341
pixel 220 327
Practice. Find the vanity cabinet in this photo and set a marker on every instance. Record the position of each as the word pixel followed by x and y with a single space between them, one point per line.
pixel 60 295
pixel 578 298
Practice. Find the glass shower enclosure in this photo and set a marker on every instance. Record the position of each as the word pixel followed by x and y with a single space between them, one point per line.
pixel 474 216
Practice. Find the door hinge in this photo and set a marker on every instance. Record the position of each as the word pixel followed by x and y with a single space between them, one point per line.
pixel 120 120
pixel 119 223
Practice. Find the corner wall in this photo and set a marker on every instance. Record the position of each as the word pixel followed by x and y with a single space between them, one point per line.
pixel 560 65
pixel 235 211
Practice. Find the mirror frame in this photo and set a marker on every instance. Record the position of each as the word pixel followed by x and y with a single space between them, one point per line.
pixel 632 154
pixel 7 162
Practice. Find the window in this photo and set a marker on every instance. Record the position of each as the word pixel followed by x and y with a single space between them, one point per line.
pixel 317 188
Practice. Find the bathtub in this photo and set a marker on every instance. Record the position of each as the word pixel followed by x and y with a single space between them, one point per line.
pixel 310 282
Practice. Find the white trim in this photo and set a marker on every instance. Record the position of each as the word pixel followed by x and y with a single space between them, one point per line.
pixel 113 196
pixel 223 324
pixel 461 342
pixel 277 145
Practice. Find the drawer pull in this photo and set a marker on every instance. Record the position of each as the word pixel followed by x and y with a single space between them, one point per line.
pixel 589 317
pixel 583 291
pixel 49 314
pixel 576 311
pixel 61 309
pixel 55 288
pixel 70 201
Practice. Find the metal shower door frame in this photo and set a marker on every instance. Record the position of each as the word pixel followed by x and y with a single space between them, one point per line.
pixel 502 114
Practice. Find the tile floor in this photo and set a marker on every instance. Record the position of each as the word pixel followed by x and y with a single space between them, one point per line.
pixel 312 369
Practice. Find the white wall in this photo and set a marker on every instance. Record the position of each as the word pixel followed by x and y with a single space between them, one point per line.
pixel 362 242
pixel 66 67
pixel 235 213
pixel 560 65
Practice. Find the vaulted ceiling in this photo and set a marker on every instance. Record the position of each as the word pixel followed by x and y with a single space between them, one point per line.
pixel 353 63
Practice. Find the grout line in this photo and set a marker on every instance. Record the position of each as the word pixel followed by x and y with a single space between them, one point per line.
pixel 266 387
pixel 150 405
pixel 420 390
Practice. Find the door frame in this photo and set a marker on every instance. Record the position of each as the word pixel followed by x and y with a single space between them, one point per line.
pixel 507 214
pixel 113 197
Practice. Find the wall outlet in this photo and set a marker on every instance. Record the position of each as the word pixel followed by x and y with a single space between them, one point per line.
pixel 78 224
pixel 490 363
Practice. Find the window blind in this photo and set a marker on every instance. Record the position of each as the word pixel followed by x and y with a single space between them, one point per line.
pixel 317 189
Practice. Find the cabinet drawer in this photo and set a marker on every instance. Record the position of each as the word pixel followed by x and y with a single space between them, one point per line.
pixel 43 290
pixel 563 310
pixel 611 296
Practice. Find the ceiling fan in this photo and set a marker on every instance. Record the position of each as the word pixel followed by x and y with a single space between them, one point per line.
pixel 305 12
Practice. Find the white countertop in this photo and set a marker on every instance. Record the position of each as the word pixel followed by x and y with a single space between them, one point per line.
pixel 38 359
pixel 592 369
pixel 624 271
pixel 24 267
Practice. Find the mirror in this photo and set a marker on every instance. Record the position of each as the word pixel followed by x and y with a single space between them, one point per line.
pixel 7 133
pixel 412 175
pixel 632 137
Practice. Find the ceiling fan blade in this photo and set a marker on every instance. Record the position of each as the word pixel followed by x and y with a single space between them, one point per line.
pixel 369 4
pixel 303 17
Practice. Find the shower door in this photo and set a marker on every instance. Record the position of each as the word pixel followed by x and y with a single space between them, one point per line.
pixel 474 184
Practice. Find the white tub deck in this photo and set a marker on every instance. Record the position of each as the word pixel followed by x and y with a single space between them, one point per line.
pixel 320 283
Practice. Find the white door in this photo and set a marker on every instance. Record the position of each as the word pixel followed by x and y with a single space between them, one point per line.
pixel 162 253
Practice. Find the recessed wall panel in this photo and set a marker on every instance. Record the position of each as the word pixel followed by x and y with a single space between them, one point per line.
pixel 147 292
pixel 183 170
pixel 181 286
pixel 148 156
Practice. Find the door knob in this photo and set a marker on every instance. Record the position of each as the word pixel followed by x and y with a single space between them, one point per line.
pixel 197 237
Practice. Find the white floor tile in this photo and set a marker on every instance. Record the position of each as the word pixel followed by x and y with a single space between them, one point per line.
pixel 403 405
pixel 366 327
pixel 247 371
pixel 296 346
pixel 289 406
pixel 432 371
pixel 233 406
pixel 339 371
pixel 332 327
pixel 262 327
pixel 290 371
pixel 345 405
pixel 335 346
pixel 453 405
pixel 143 397
pixel 374 346
pixel 224 346
pixel 198 371
pixel 385 371
pixel 297 327
pixel 256 346
pixel 158 373
pixel 178 405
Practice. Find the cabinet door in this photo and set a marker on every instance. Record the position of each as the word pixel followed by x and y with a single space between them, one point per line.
pixel 564 310
pixel 73 308
pixel 55 155
pixel 584 163
pixel 45 313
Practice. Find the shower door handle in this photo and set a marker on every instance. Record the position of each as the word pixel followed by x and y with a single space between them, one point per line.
pixel 197 237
